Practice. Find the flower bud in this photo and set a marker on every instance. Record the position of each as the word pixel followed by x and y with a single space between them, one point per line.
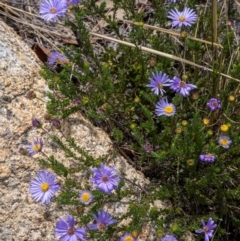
pixel 195 95
pixel 133 126
pixel 178 130
pixel 224 127
pixel 56 123
pixel 47 117
pixel 36 123
pixel 183 34
pixel 79 209
pixel 77 101
pixel 136 99
pixel 23 151
pixel 231 98
pixel 184 77
pixel 85 99
pixel 148 147
pixel 184 122
pixel 206 121
pixel 134 233
pixel 190 162
pixel 30 95
pixel 152 62
pixel 86 64
pixel 174 227
pixel 210 132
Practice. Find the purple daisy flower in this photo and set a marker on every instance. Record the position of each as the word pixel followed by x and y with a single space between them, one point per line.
pixel 85 196
pixel 128 237
pixel 181 86
pixel 157 82
pixel 56 57
pixel 102 220
pixel 187 17
pixel 73 2
pixel 225 141
pixel 66 231
pixel 207 229
pixel 105 178
pixel 148 147
pixel 35 147
pixel 165 108
pixel 207 157
pixel 51 9
pixel 214 104
pixel 44 186
pixel 169 238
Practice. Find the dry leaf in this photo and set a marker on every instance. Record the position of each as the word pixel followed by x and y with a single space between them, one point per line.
pixel 41 52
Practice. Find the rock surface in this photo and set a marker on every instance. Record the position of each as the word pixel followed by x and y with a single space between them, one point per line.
pixel 22 219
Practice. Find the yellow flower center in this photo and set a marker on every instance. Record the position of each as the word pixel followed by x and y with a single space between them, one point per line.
pixel 37 147
pixel 71 231
pixel 101 225
pixel 104 179
pixel 168 109
pixel 224 128
pixel 214 103
pixel 224 141
pixel 128 238
pixel 53 10
pixel 181 18
pixel 45 187
pixel 182 84
pixel 205 229
pixel 160 86
pixel 85 197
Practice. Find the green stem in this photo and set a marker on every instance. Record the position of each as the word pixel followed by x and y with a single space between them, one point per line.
pixel 214 49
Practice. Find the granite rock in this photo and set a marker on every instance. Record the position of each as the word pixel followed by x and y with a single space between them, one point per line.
pixel 21 218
